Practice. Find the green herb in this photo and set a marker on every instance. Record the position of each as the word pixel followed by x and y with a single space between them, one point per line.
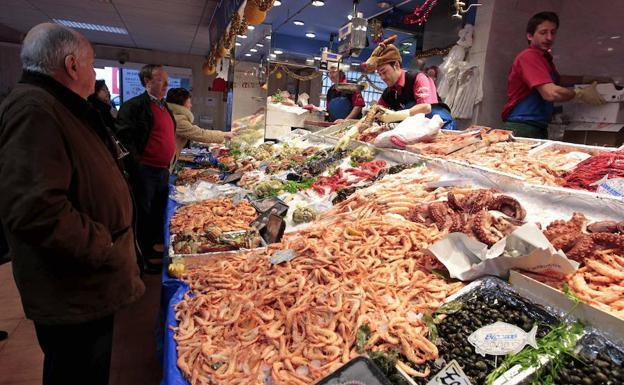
pixel 431 326
pixel 277 97
pixel 386 361
pixel 361 337
pixel 292 186
pixel 313 158
pixel 449 307
pixel 217 365
pixel 331 170
pixel 565 289
pixel 441 273
pixel 354 163
pixel 557 345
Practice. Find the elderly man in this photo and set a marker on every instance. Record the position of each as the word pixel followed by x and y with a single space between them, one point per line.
pixel 65 208
pixel 146 126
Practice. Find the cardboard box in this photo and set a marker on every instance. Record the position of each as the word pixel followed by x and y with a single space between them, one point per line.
pixel 595 134
pixel 604 113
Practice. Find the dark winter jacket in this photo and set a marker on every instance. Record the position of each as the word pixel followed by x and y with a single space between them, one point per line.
pixel 65 206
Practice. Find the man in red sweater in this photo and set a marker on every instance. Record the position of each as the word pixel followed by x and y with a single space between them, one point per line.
pixel 147 128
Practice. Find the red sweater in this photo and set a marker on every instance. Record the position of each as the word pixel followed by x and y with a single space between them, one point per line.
pixel 160 146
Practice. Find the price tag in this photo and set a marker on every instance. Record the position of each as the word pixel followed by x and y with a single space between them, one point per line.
pixel 451 374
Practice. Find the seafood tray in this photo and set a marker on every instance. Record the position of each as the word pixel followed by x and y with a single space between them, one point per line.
pixel 359 371
pixel 479 304
pixel 596 362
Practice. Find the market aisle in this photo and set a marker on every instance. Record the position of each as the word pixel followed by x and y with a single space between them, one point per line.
pixel 134 358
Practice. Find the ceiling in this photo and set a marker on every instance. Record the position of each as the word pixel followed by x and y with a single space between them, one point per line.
pixel 182 26
pixel 326 20
pixel 179 26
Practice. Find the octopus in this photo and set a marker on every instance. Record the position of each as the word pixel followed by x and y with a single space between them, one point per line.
pixel 580 241
pixel 468 212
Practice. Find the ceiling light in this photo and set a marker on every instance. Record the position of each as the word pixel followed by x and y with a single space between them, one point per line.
pixel 407 44
pixel 384 4
pixel 355 64
pixel 406 52
pixel 310 61
pixel 242 36
pixel 268 37
pixel 298 22
pixel 317 58
pixel 259 45
pixel 277 3
pixel 237 44
pixel 349 16
pixel 278 51
pixel 272 55
pixel 616 37
pixel 610 49
pixel 318 3
pixel 253 50
pixel 311 35
pixel 91 27
pixel 247 54
pixel 251 27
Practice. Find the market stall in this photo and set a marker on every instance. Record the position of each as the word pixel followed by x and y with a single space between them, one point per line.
pixel 358 269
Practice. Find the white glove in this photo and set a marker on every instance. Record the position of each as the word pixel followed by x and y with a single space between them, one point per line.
pixel 344 141
pixel 589 95
pixel 390 116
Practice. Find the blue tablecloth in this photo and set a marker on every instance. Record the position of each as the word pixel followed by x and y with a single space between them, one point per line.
pixel 172 292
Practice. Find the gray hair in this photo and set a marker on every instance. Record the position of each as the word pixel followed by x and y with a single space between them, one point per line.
pixel 46 45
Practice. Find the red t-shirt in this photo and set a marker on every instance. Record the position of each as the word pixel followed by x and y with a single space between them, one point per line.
pixel 161 145
pixel 425 91
pixel 531 68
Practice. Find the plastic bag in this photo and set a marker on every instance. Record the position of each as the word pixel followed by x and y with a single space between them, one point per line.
pixel 414 129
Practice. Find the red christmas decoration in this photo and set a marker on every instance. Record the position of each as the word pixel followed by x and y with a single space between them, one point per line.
pixel 420 14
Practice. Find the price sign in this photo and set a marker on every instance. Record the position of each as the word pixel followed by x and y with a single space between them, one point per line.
pixel 451 374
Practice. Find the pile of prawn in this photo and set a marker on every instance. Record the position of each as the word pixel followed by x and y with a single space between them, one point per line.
pixel 601 281
pixel 246 321
pixel 221 213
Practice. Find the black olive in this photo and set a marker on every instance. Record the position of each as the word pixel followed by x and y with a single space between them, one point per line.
pixel 586 381
pixel 481 365
pixel 575 379
pixel 601 377
pixel 601 364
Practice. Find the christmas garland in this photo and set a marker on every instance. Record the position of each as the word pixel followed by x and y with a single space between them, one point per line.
pixel 433 52
pixel 421 13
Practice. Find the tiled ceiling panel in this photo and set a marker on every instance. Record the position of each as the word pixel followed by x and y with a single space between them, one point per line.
pixel 169 25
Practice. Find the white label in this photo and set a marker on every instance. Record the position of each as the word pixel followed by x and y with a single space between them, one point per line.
pixel 452 374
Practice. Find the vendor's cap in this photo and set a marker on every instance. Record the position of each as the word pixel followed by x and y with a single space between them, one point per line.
pixel 384 53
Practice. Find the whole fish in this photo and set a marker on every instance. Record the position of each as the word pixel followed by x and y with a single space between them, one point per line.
pixel 501 338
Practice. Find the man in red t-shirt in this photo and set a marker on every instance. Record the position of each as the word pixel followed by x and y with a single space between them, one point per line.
pixel 533 84
pixel 341 104
pixel 146 126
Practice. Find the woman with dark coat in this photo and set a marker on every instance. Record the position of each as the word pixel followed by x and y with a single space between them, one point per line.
pixel 101 101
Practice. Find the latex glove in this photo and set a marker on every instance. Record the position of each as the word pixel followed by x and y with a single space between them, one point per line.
pixel 344 141
pixel 390 116
pixel 589 95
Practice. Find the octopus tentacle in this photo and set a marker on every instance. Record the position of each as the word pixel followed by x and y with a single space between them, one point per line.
pixel 582 249
pixel 508 206
pixel 483 229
